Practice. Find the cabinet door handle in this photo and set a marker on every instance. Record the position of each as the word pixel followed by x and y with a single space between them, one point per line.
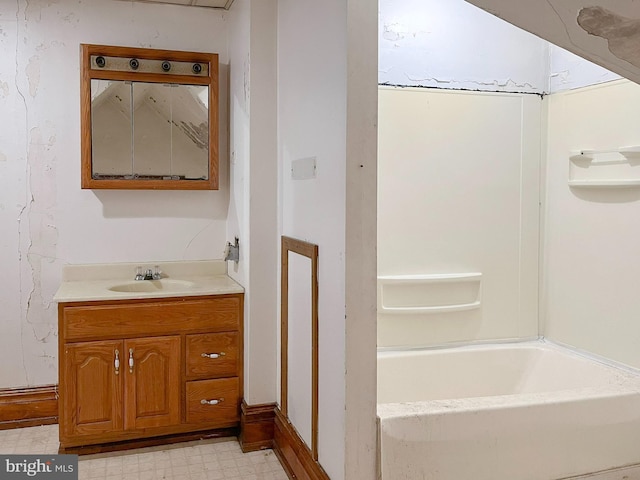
pixel 211 402
pixel 131 360
pixel 212 355
pixel 116 363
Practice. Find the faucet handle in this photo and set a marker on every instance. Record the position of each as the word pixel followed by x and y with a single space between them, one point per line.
pixel 139 275
pixel 156 274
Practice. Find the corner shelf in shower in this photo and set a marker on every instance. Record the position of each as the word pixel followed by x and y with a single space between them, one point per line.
pixel 430 293
pixel 605 168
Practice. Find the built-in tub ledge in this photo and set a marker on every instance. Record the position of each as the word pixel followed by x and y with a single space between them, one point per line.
pixel 429 293
pixel 605 168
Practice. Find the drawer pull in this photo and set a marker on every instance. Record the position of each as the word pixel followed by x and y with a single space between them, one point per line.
pixel 131 360
pixel 116 363
pixel 211 402
pixel 212 355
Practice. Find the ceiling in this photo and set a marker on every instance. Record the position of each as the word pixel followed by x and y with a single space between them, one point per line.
pixel 607 32
pixel 226 4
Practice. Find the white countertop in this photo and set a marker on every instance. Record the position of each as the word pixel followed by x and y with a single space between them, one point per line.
pixel 84 283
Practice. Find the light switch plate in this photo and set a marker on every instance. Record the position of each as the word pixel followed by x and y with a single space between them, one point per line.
pixel 304 168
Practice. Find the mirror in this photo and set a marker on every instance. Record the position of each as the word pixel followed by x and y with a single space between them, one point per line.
pixel 149 130
pixel 145 127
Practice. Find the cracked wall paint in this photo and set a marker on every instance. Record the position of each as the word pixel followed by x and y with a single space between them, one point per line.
pixel 46 220
pixel 451 44
pixel 43 236
pixel 568 71
pixel 607 36
pixel 395 32
pixel 33 74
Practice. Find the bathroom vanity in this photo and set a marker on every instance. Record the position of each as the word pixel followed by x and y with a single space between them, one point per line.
pixel 148 358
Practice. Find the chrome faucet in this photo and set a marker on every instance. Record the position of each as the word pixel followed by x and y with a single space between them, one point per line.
pixel 149 274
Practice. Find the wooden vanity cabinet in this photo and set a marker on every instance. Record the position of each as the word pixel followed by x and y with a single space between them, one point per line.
pixel 99 387
pixel 132 369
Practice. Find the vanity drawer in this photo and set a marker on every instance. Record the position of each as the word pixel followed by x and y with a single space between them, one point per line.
pixel 201 398
pixel 122 320
pixel 210 355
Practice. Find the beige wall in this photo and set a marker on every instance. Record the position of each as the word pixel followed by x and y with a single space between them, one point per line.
pixel 458 192
pixel 591 251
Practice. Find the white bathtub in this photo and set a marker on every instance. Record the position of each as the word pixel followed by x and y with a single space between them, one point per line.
pixel 526 411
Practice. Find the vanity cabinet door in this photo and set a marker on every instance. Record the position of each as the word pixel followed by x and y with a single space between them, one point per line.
pixel 92 388
pixel 152 382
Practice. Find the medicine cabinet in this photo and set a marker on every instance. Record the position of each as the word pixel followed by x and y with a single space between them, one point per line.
pixel 149 119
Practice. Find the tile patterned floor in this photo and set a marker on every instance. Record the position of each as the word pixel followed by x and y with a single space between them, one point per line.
pixel 202 460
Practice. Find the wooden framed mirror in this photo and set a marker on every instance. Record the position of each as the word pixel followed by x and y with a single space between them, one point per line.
pixel 149 119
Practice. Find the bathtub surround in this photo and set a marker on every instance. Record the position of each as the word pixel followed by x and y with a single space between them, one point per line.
pixel 587 265
pixel 590 259
pixel 588 297
pixel 565 424
pixel 583 260
pixel 458 215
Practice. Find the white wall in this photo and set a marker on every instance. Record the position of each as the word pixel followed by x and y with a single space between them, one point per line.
pixel 300 346
pixel 46 220
pixel 591 251
pixel 458 194
pixel 452 44
pixel 261 329
pixel 239 134
pixel 327 109
pixel 312 95
pixel 569 71
pixel 253 205
pixel 361 241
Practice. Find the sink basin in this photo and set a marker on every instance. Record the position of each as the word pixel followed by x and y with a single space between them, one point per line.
pixel 148 286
